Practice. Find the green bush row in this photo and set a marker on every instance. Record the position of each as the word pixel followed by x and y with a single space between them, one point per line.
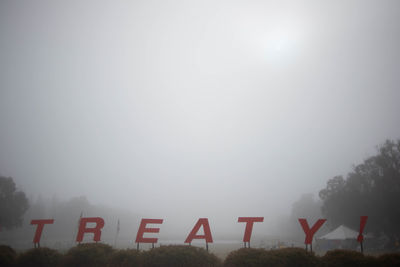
pixel 298 257
pixel 101 255
pixel 104 255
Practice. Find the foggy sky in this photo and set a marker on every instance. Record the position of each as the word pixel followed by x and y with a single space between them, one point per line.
pixel 194 108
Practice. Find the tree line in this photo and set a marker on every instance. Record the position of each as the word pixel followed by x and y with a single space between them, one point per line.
pixel 372 188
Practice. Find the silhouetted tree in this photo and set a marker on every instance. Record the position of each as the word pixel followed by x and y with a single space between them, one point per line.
pixel 13 204
pixel 372 188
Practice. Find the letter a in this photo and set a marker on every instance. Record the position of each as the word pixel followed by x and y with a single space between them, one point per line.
pixel 207 232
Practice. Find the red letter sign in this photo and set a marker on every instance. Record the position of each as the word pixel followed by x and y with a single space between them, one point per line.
pixel 39 228
pixel 207 232
pixel 249 226
pixel 143 229
pixel 363 221
pixel 96 230
pixel 310 232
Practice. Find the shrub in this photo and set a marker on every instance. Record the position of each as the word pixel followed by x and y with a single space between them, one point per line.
pixel 347 258
pixel 371 261
pixel 296 257
pixel 39 257
pixel 187 256
pixel 390 259
pixel 261 257
pixel 125 258
pixel 7 256
pixel 251 257
pixel 87 255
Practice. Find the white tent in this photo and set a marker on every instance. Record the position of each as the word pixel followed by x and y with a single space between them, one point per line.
pixel 341 233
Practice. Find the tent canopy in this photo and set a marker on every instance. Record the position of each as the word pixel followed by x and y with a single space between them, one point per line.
pixel 341 233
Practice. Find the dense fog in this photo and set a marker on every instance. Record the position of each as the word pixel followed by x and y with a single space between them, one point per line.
pixel 187 109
